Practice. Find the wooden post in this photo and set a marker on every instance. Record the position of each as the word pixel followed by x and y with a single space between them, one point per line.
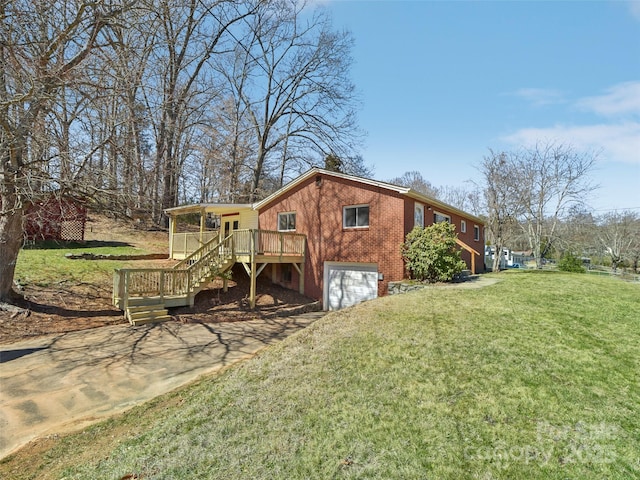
pixel 126 291
pixel 301 278
pixel 202 224
pixel 172 232
pixel 304 260
pixel 161 286
pixel 252 292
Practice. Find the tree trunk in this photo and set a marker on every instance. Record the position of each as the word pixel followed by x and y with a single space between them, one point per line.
pixel 497 257
pixel 10 242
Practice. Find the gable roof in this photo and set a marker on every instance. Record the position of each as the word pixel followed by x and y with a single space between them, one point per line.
pixel 367 181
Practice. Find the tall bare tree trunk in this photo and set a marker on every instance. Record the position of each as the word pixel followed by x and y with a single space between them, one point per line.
pixel 10 243
pixel 10 218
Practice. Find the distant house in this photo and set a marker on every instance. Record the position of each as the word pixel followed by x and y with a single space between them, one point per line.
pixel 509 257
pixel 54 217
pixel 506 259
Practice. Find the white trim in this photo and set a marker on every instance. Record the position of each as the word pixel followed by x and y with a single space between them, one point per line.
pixel 429 201
pixel 287 213
pixel 448 217
pixel 344 216
pixel 320 171
pixel 476 228
pixel 208 208
pixel 368 267
pixel 418 208
pixel 463 226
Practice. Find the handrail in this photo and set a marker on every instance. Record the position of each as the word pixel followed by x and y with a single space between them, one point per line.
pixel 198 252
pixel 182 278
pixel 185 242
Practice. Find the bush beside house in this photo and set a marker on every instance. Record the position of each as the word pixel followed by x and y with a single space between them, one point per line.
pixel 431 253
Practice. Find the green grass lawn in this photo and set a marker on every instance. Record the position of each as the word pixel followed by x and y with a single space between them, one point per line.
pixel 535 377
pixel 45 263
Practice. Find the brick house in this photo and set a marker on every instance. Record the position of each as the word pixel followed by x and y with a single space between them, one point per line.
pixel 354 229
pixel 335 237
pixel 332 236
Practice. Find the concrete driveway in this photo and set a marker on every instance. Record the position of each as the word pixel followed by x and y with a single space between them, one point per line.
pixel 64 382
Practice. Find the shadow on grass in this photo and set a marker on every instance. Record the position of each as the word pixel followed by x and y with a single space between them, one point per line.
pixel 66 312
pixel 55 245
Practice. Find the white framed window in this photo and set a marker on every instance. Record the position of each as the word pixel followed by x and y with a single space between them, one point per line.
pixel 441 217
pixel 463 226
pixel 355 216
pixel 418 215
pixel 286 221
pixel 476 233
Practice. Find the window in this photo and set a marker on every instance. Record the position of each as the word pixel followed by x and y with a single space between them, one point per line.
pixel 286 272
pixel 228 224
pixel 286 221
pixel 213 221
pixel 355 216
pixel 463 226
pixel 476 233
pixel 418 215
pixel 441 217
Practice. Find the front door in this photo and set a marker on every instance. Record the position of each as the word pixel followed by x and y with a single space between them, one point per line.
pixel 231 224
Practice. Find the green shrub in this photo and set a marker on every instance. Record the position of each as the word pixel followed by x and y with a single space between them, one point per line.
pixel 569 262
pixel 431 253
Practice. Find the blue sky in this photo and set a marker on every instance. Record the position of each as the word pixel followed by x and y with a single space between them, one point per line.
pixel 441 82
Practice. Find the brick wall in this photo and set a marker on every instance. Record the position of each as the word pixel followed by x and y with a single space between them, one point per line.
pixel 318 203
pixel 466 237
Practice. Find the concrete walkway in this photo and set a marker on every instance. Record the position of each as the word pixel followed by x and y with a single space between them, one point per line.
pixel 64 382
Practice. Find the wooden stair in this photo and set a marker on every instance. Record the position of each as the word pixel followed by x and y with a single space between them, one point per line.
pixel 141 311
pixel 146 293
pixel 207 262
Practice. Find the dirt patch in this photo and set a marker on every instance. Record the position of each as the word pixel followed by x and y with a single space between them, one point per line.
pixel 71 307
pixel 79 307
pixel 214 305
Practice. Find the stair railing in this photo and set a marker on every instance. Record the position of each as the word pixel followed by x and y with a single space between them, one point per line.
pixel 179 280
pixel 183 277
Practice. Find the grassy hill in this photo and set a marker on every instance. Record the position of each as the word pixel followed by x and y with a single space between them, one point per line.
pixel 537 376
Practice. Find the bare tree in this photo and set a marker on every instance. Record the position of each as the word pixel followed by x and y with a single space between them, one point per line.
pixel 551 178
pixel 415 181
pixel 189 33
pixel 467 198
pixel 576 232
pixel 619 236
pixel 291 76
pixel 42 44
pixel 502 196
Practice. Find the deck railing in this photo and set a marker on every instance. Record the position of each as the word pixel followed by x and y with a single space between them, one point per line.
pixel 205 250
pixel 182 278
pixel 185 243
pixel 268 242
pixel 150 282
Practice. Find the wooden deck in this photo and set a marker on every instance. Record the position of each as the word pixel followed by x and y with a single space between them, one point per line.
pixel 172 287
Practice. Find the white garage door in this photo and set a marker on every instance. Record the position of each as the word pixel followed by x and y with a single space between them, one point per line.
pixel 346 284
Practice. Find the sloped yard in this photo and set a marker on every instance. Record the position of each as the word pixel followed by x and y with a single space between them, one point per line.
pixel 64 295
pixel 536 376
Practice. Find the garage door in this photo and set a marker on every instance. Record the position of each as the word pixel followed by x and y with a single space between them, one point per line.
pixel 346 284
